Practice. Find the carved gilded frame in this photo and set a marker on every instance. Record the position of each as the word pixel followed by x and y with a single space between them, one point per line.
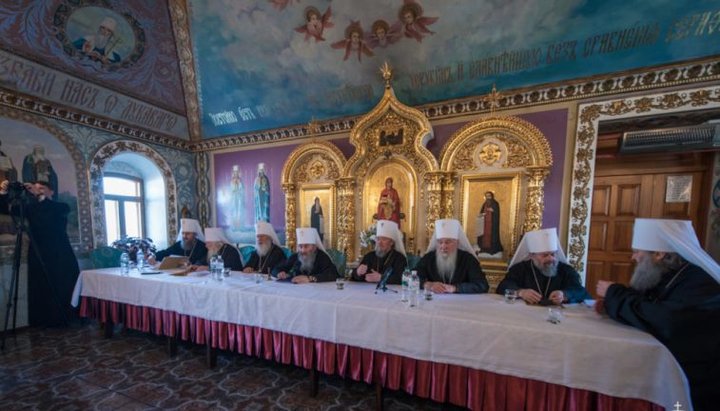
pixel 410 131
pixel 589 116
pixel 311 167
pixel 498 148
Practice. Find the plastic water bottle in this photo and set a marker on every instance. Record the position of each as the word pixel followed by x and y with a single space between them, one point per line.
pixel 219 268
pixel 213 267
pixel 124 263
pixel 414 289
pixel 405 285
pixel 140 258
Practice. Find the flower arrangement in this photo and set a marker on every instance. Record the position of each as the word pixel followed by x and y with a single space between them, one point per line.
pixel 367 237
pixel 131 245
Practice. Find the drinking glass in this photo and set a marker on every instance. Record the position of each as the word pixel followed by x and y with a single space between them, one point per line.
pixel 511 296
pixel 340 283
pixel 428 293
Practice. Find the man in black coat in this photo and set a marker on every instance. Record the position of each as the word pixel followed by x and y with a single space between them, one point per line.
pixel 190 243
pixel 389 254
pixel 310 264
pixel 52 265
pixel 674 294
pixel 539 272
pixel 267 254
pixel 449 266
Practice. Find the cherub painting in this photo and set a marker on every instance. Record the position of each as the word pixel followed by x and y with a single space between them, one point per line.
pixel 414 24
pixel 315 24
pixel 382 35
pixel 354 42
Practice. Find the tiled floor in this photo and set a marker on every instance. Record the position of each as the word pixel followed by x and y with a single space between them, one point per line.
pixel 77 369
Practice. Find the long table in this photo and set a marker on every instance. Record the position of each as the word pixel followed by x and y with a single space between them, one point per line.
pixel 456 348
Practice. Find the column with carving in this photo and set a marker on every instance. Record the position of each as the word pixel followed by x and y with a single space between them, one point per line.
pixel 433 188
pixel 346 216
pixel 203 188
pixel 448 194
pixel 534 205
pixel 290 205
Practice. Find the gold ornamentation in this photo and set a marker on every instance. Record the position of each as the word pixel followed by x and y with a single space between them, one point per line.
pixel 390 132
pixel 526 148
pixel 387 74
pixel 310 163
pixel 346 217
pixel 584 159
pixel 490 153
pixel 493 100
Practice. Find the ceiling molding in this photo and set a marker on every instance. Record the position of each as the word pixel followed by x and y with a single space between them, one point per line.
pixel 180 20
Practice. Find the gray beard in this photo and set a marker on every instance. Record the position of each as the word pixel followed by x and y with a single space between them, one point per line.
pixel 380 253
pixel 446 265
pixel 646 276
pixel 262 250
pixel 307 263
pixel 550 271
pixel 187 245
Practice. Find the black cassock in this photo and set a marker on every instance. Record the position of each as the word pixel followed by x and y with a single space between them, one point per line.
pixel 52 265
pixel 231 257
pixel 393 260
pixel 468 276
pixel 683 312
pixel 567 280
pixel 266 264
pixel 323 269
pixel 197 256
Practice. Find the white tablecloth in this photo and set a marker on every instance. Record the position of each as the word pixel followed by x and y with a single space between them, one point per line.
pixel 483 332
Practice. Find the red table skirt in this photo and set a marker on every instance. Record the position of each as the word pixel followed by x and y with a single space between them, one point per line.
pixel 467 387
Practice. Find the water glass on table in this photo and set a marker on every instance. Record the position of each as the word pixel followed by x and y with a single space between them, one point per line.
pixel 340 283
pixel 511 296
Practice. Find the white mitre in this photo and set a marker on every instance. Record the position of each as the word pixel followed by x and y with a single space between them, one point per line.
pixel 309 235
pixel 538 241
pixel 450 228
pixel 265 228
pixel 215 234
pixel 190 225
pixel 389 229
pixel 673 236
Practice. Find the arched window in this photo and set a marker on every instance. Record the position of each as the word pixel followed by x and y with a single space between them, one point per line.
pixel 124 210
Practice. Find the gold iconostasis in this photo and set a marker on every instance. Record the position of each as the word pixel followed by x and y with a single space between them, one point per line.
pixel 490 175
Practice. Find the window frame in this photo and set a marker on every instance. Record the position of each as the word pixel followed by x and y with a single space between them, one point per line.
pixel 121 199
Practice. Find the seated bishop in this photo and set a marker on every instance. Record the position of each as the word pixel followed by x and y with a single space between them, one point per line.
pixel 190 243
pixel 218 244
pixel 539 271
pixel 310 264
pixel 388 258
pixel 450 265
pixel 268 254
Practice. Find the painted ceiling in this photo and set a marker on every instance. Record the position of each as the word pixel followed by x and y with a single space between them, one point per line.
pixel 264 64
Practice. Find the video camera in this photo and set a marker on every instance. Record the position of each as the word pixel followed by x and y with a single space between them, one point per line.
pixel 18 191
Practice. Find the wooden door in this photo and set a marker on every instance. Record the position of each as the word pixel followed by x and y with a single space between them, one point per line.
pixel 624 191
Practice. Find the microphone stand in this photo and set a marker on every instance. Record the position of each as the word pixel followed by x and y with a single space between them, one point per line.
pixel 382 285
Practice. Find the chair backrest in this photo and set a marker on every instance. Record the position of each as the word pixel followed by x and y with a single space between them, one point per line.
pixel 339 259
pixel 105 257
pixel 412 261
pixel 245 252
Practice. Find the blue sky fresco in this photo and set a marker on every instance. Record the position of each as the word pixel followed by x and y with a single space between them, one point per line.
pixel 261 66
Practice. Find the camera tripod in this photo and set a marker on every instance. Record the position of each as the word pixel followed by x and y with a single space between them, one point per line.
pixel 17 211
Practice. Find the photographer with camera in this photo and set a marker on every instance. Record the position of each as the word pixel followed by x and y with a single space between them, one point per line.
pixel 52 266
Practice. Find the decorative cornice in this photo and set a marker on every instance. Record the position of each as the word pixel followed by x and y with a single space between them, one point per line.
pixel 34 105
pixel 181 28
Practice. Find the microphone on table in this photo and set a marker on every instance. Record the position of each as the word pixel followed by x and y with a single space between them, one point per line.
pixel 382 284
